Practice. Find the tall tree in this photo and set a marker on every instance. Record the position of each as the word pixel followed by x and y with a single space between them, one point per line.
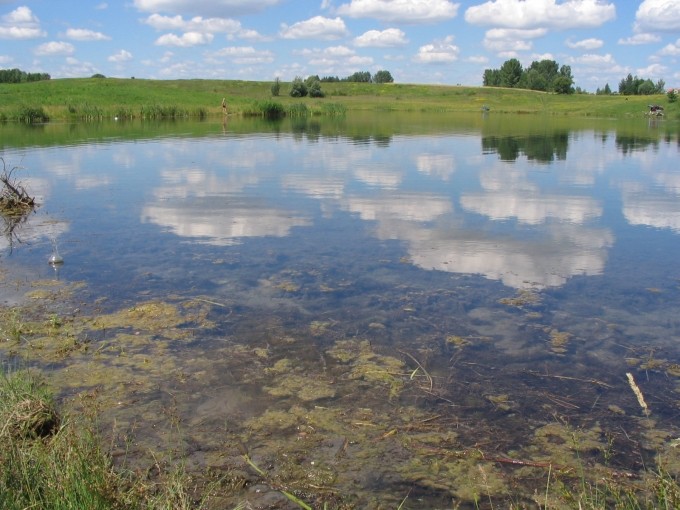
pixel 511 73
pixel 492 78
pixel 383 77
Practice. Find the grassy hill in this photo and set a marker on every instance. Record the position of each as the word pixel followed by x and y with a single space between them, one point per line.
pixel 90 98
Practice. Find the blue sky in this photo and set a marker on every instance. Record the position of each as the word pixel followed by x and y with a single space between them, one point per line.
pixel 418 41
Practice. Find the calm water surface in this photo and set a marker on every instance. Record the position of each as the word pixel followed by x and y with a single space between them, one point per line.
pixel 373 309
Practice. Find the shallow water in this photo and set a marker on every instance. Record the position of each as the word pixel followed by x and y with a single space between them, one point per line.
pixel 372 307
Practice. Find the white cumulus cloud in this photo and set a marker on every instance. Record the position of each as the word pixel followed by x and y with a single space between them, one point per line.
pixel 541 13
pixel 186 40
pixel 55 48
pixel 318 27
pixel 438 52
pixel 658 16
pixel 403 11
pixel 195 24
pixel 121 56
pixel 586 44
pixel 671 50
pixel 83 34
pixel 638 39
pixel 21 23
pixel 381 39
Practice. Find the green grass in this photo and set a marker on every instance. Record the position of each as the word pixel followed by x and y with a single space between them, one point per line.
pixel 97 98
pixel 50 461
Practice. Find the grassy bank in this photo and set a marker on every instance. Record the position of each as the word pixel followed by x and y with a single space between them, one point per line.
pixel 94 98
pixel 56 461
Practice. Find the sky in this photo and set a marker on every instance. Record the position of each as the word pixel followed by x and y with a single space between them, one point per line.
pixel 418 41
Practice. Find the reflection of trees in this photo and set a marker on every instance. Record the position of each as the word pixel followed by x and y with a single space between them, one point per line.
pixel 11 227
pixel 631 143
pixel 303 126
pixel 543 148
pixel 378 139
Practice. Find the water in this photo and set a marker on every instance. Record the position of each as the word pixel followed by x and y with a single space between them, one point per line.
pixel 372 307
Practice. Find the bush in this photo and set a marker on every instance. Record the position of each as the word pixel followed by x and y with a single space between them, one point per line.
pixel 298 88
pixel 32 114
pixel 672 96
pixel 314 89
pixel 276 87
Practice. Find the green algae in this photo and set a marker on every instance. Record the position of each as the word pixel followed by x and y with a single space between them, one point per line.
pixel 559 340
pixel 367 365
pixel 465 478
pixel 319 328
pixel 322 421
pixel 523 298
pixel 457 341
pixel 304 388
pixel 501 402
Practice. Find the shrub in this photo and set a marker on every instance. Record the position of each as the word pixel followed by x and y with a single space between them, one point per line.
pixel 298 88
pixel 32 114
pixel 276 87
pixel 314 89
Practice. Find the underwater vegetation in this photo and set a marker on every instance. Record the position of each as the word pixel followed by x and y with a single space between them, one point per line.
pixel 308 417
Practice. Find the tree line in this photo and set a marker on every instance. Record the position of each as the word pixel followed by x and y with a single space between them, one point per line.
pixel 381 76
pixel 311 86
pixel 19 76
pixel 546 75
pixel 635 86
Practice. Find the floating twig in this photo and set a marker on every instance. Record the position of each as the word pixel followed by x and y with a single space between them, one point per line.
pixel 638 394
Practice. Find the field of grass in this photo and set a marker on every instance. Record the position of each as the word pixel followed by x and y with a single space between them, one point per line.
pixel 94 98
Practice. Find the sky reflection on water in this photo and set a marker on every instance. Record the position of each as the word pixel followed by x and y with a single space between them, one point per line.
pixel 455 203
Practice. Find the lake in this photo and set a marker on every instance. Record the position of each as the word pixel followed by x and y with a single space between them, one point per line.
pixel 380 309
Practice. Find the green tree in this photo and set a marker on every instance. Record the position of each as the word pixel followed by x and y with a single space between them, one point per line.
pixel 534 80
pixel 383 76
pixel 563 85
pixel 563 82
pixel 660 87
pixel 491 78
pixel 511 73
pixel 543 74
pixel 361 77
pixel 629 85
pixel 646 88
pixel 18 76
